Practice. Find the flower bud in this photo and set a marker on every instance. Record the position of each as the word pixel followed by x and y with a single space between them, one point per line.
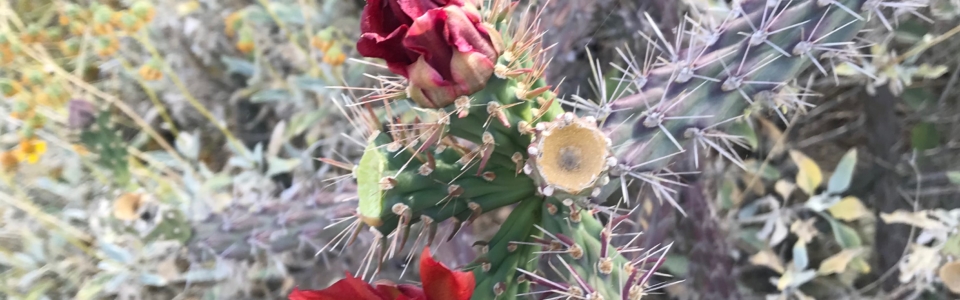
pixel 444 50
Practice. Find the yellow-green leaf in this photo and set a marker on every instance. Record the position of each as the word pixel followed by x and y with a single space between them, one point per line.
pixel 848 209
pixel 861 265
pixel 931 72
pixel 845 70
pixel 784 281
pixel 809 175
pixel 838 262
pixel 793 278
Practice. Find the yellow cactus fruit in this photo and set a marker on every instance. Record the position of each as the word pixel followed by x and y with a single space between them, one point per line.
pixel 32 77
pixel 36 122
pixel 63 20
pixel 10 88
pixel 6 55
pixel 41 97
pixel 33 34
pixel 233 22
pixel 70 13
pixel 76 28
pixel 245 43
pixel 22 110
pixel 9 161
pixel 107 46
pixel 69 47
pixel 334 56
pixel 150 73
pixel 320 44
pixel 56 93
pixel 323 40
pixel 130 23
pixel 143 10
pixel 102 20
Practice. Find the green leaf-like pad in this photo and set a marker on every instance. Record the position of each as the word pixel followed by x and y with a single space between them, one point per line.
pixel 368 174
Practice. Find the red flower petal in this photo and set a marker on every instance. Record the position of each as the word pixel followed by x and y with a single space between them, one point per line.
pixel 383 17
pixel 416 8
pixel 464 31
pixel 400 292
pixel 347 288
pixel 440 283
pixel 389 48
pixel 426 37
pixel 411 292
pixel 384 25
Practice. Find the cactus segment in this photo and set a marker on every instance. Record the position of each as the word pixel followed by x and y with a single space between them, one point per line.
pixel 582 253
pixel 399 187
pixel 103 139
pixel 172 225
pixel 495 269
pixel 272 227
pixel 751 55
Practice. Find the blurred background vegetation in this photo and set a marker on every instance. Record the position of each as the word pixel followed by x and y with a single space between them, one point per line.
pixel 168 149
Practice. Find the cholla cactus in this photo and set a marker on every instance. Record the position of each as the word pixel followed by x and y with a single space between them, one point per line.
pixel 490 132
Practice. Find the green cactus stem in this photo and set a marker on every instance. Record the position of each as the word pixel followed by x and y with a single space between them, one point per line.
pixel 746 61
pixel 397 188
pixel 98 134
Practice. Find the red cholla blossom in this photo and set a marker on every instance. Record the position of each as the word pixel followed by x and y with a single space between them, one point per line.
pixel 441 46
pixel 439 283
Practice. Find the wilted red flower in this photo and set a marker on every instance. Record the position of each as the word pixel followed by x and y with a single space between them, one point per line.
pixel 442 46
pixel 439 283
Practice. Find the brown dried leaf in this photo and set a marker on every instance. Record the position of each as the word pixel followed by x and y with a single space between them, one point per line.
pixel 784 188
pixel 919 219
pixel 168 269
pixel 793 278
pixel 127 206
pixel 921 259
pixel 950 275
pixel 768 259
pixel 805 229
